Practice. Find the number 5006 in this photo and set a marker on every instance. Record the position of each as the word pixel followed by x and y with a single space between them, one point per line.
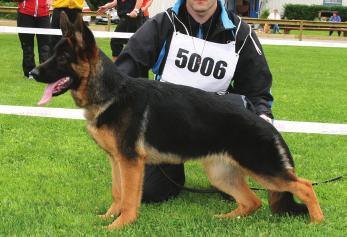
pixel 206 67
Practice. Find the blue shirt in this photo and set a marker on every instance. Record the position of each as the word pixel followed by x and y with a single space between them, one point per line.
pixel 335 19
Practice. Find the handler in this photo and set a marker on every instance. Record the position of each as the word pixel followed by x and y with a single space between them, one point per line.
pixel 35 14
pixel 130 20
pixel 197 43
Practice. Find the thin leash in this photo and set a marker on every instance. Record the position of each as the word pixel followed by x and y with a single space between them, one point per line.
pixel 214 190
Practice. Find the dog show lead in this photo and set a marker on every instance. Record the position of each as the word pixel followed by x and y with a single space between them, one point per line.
pixel 199 44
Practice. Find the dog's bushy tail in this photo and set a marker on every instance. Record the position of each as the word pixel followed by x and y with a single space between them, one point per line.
pixel 282 203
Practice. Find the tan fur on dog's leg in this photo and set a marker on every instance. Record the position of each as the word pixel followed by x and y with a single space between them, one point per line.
pixel 246 200
pixel 132 172
pixel 304 191
pixel 114 209
pixel 107 141
pixel 299 187
pixel 229 178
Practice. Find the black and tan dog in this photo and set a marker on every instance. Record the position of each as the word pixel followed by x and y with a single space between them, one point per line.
pixel 139 121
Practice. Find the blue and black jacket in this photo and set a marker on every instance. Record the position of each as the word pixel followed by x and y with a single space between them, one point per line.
pixel 148 48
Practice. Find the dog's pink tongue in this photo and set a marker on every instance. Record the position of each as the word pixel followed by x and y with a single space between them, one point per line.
pixel 47 94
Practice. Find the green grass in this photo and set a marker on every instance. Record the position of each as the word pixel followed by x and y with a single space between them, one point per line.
pixel 54 180
pixel 309 83
pixel 314 33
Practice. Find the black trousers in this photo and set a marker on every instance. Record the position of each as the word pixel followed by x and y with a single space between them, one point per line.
pixel 162 182
pixel 27 41
pixel 338 32
pixel 55 21
pixel 126 24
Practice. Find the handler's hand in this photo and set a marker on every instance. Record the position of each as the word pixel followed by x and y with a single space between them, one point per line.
pixel 49 4
pixel 132 14
pixel 102 10
pixel 266 118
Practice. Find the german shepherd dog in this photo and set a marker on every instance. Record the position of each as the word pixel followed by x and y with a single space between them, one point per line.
pixel 139 121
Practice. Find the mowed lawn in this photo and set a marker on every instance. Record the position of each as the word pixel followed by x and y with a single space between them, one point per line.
pixel 54 180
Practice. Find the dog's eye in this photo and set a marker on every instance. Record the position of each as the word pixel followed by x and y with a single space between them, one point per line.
pixel 61 59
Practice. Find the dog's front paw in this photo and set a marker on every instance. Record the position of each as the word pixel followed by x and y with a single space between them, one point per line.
pixel 113 211
pixel 227 216
pixel 105 216
pixel 121 221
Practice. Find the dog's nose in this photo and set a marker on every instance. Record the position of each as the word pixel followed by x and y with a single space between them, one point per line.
pixel 34 74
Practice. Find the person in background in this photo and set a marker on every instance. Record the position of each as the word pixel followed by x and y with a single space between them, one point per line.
pixel 335 18
pixel 198 44
pixel 70 7
pixel 144 8
pixel 274 15
pixel 130 20
pixel 33 13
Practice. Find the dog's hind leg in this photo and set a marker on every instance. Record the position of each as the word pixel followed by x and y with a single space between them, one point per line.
pixel 299 187
pixel 114 209
pixel 283 203
pixel 131 172
pixel 229 178
pixel 304 191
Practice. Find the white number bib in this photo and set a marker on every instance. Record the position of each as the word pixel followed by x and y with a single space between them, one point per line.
pixel 212 71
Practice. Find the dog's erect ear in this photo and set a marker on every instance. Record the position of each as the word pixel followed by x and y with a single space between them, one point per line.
pixel 79 24
pixel 88 38
pixel 87 35
pixel 65 25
